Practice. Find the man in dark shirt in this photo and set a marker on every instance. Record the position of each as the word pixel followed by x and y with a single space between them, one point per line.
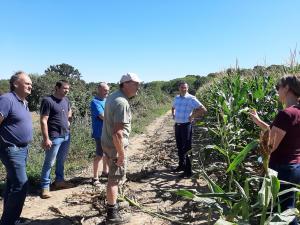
pixel 15 135
pixel 55 121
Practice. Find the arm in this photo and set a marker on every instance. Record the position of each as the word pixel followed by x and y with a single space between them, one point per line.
pixel 200 111
pixel 97 110
pixel 70 117
pixel 101 116
pixel 5 106
pixel 1 118
pixel 254 116
pixel 118 142
pixel 46 143
pixel 276 136
pixel 173 112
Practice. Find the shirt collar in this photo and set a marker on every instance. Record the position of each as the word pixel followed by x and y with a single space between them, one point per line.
pixel 18 98
pixel 184 96
pixel 101 99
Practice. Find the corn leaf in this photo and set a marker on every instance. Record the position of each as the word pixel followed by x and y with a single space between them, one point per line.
pixel 242 155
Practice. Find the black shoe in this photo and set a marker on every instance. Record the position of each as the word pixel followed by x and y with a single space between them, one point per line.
pixel 113 217
pixel 104 175
pixel 185 175
pixel 178 169
pixel 23 221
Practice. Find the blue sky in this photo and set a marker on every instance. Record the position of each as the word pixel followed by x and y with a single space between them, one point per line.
pixel 157 39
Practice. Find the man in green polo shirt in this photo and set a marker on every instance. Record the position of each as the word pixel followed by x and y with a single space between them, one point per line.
pixel 114 139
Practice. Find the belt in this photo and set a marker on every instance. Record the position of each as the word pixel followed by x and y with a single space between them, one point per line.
pixel 181 124
pixel 8 144
pixel 22 145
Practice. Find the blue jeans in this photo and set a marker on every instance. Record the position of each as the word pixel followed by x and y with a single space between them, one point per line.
pixel 58 152
pixel 14 159
pixel 290 173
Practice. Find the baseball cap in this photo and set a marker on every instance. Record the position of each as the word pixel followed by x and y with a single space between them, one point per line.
pixel 130 77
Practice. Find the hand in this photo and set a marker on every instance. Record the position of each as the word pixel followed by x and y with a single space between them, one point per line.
pixel 254 116
pixel 191 119
pixel 120 160
pixel 46 144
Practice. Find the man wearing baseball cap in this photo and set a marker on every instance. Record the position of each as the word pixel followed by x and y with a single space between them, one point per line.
pixel 114 139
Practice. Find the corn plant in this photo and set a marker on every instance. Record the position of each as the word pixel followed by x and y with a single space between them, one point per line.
pixel 234 138
pixel 230 127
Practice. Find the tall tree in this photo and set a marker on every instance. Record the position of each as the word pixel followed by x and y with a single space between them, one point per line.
pixel 64 70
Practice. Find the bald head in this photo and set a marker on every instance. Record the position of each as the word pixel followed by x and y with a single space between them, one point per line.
pixel 103 90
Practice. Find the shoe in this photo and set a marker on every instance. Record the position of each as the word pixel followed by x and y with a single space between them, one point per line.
pixel 95 182
pixel 45 193
pixel 185 175
pixel 63 184
pixel 23 221
pixel 104 175
pixel 178 169
pixel 113 217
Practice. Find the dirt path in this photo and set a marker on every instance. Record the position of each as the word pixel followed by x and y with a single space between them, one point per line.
pixel 150 157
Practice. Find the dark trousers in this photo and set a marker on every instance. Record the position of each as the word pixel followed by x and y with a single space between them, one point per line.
pixel 183 136
pixel 290 173
pixel 14 160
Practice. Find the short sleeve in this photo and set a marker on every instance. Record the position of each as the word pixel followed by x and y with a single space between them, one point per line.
pixel 45 107
pixel 122 113
pixel 5 106
pixel 282 121
pixel 196 103
pixel 174 101
pixel 96 109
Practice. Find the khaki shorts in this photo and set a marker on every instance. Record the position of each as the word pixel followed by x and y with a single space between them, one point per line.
pixel 115 173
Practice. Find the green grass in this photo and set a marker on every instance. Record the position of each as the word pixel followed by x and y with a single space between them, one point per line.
pixel 140 122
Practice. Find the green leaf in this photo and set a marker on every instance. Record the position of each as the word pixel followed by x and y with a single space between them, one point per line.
pixel 212 185
pixel 215 147
pixel 242 155
pixel 185 193
pixel 275 187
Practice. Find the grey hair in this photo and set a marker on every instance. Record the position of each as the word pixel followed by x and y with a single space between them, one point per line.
pixel 14 78
pixel 101 84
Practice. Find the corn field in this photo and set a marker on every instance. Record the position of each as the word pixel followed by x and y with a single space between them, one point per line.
pixel 241 192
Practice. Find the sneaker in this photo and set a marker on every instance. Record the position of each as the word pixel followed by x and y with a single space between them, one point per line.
pixel 23 221
pixel 63 184
pixel 45 193
pixel 113 217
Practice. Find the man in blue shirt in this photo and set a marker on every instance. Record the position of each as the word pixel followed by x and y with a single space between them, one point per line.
pixel 97 113
pixel 15 135
pixel 185 108
pixel 55 120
